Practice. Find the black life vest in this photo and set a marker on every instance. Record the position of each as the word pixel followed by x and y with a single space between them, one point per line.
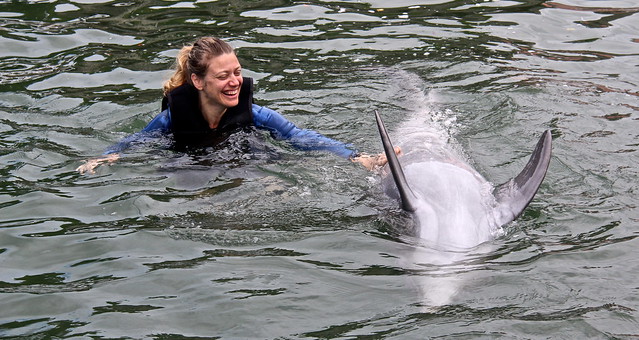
pixel 191 130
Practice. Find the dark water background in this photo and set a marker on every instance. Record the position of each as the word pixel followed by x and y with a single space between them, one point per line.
pixel 279 243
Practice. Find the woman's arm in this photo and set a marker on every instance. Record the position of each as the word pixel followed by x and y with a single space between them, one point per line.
pixel 304 139
pixel 281 128
pixel 161 123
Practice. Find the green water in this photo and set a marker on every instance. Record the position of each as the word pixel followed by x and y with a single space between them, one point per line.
pixel 285 244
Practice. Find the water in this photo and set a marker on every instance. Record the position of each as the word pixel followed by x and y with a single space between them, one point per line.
pixel 286 244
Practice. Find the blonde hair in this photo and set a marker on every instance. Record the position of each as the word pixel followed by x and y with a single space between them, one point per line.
pixel 194 59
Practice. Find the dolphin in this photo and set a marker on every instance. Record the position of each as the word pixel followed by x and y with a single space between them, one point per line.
pixel 455 210
pixel 455 207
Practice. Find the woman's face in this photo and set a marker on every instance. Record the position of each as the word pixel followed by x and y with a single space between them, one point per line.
pixel 221 84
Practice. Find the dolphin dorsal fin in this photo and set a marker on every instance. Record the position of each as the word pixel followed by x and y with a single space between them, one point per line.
pixel 515 195
pixel 407 196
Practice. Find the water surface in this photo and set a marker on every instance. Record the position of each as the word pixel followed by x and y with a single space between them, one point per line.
pixel 280 243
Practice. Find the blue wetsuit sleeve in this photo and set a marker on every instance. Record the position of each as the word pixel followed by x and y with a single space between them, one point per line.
pixel 281 128
pixel 160 124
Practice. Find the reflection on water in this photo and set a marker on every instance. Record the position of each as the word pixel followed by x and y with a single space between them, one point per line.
pixel 282 243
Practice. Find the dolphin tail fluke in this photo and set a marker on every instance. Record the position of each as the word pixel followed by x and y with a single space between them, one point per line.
pixel 406 194
pixel 515 195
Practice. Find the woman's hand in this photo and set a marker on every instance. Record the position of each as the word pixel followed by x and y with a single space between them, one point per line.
pixel 371 162
pixel 91 164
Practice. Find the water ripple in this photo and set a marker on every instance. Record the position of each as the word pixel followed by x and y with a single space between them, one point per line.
pixel 169 245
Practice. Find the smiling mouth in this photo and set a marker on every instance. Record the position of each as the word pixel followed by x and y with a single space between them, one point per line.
pixel 231 93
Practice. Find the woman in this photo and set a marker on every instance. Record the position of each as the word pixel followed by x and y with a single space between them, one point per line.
pixel 207 99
